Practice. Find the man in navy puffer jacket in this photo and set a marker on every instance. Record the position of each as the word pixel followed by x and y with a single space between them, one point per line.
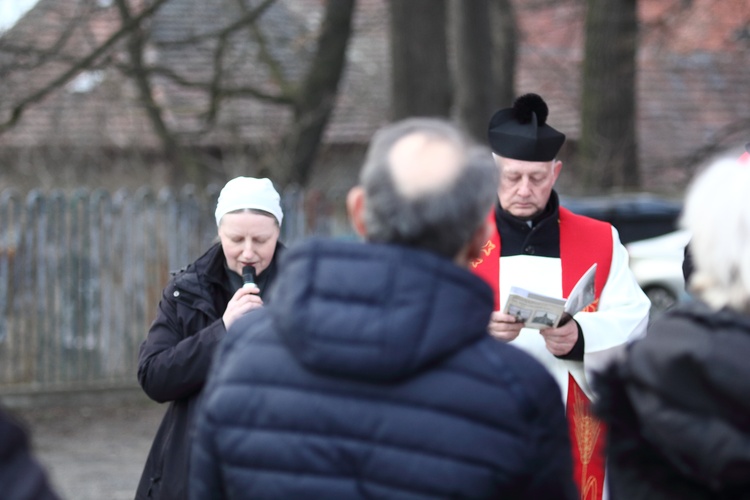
pixel 371 373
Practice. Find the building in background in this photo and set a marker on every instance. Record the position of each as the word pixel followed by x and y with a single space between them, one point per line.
pixel 692 80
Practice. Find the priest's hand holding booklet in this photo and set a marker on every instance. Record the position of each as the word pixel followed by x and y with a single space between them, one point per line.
pixel 540 311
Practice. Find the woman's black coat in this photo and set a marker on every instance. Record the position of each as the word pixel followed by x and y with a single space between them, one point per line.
pixel 174 363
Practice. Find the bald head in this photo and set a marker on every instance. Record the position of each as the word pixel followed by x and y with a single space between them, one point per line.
pixel 426 184
pixel 421 164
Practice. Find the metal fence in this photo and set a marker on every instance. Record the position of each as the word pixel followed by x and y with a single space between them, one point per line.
pixel 81 275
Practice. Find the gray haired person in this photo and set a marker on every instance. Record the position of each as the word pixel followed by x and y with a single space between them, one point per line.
pixel 371 374
pixel 678 402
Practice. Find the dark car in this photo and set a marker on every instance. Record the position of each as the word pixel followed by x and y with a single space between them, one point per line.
pixel 636 216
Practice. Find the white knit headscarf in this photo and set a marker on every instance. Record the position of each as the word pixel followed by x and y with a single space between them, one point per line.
pixel 249 192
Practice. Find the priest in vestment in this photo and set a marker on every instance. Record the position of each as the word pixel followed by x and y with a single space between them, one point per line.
pixel 544 248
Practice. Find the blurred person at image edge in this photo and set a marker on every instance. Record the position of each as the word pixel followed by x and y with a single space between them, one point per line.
pixel 22 477
pixel 371 374
pixel 198 305
pixel 540 246
pixel 677 402
pixel 687 262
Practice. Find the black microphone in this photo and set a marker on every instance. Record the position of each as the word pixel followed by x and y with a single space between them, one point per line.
pixel 248 277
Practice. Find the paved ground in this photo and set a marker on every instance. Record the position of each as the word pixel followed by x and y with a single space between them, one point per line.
pixel 94 451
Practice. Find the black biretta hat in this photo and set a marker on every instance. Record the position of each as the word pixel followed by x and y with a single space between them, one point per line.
pixel 522 133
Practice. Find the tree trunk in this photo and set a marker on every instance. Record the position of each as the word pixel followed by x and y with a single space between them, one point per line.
pixel 183 167
pixel 470 25
pixel 317 95
pixel 608 150
pixel 504 34
pixel 419 59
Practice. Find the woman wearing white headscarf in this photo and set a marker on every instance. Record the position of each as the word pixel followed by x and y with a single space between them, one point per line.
pixel 678 402
pixel 197 307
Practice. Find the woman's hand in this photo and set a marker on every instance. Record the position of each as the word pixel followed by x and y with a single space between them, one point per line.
pixel 243 300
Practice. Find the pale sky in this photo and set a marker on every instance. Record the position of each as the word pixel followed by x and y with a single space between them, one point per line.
pixel 11 10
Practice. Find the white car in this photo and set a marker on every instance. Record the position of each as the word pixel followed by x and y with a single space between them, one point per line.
pixel 657 265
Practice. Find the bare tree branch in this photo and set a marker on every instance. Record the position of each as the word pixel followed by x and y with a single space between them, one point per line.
pixel 172 148
pixel 40 57
pixel 543 4
pixel 84 63
pixel 318 91
pixel 273 65
pixel 717 143
pixel 216 92
pixel 234 61
pixel 248 18
pixel 225 92
pixel 218 76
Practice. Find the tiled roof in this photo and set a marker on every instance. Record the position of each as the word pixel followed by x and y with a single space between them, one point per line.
pixel 693 77
pixel 694 72
pixel 108 113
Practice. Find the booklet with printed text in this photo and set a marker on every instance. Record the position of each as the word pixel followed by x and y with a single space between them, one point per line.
pixel 540 311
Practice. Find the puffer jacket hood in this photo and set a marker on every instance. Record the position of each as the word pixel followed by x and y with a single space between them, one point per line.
pixel 375 312
pixel 370 375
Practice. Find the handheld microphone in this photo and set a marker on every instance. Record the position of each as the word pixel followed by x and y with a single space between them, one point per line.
pixel 248 277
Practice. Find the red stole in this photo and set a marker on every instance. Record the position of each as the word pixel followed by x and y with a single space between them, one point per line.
pixel 583 241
